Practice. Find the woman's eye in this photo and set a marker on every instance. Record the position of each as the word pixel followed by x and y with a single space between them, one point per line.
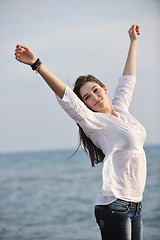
pixel 86 98
pixel 96 89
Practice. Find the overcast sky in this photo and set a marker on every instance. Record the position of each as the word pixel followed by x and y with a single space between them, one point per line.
pixel 73 38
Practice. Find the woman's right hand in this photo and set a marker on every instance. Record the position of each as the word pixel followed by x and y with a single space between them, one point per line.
pixel 25 55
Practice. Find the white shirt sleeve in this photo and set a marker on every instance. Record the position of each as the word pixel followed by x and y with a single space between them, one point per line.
pixel 123 93
pixel 77 110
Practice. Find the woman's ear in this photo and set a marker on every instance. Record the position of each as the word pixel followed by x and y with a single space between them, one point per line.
pixel 105 89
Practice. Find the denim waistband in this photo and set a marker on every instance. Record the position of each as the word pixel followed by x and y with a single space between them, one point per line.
pixel 133 204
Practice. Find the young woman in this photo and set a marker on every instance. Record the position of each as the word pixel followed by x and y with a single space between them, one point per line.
pixel 111 136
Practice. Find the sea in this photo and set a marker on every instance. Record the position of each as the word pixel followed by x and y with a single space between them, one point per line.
pixel 47 195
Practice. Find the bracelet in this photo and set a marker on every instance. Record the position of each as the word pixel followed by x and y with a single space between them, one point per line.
pixel 37 70
pixel 36 65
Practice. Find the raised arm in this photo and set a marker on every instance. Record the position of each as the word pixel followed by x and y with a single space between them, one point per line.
pixel 26 55
pixel 130 66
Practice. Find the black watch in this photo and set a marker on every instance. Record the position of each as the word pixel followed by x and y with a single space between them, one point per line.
pixel 36 64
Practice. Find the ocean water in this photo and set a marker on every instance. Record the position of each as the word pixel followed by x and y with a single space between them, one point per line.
pixel 44 195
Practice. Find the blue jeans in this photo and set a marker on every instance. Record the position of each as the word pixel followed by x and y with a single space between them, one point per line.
pixel 120 220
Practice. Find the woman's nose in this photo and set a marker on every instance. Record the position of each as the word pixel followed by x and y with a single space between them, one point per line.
pixel 95 97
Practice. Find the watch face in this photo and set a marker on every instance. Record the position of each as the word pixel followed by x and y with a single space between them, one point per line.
pixel 36 64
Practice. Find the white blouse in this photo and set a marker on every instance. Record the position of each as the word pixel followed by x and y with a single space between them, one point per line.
pixel 120 138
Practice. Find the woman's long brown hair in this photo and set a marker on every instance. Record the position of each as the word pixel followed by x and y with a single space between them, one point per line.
pixel 96 155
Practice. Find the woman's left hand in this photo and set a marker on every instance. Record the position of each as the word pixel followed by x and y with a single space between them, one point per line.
pixel 134 32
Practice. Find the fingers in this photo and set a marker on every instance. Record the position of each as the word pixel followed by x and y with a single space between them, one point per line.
pixel 22 47
pixel 17 57
pixel 24 54
pixel 18 51
pixel 134 31
pixel 137 29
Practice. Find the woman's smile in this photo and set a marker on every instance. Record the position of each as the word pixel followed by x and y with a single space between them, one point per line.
pixel 99 101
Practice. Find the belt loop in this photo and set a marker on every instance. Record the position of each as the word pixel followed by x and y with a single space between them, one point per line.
pixel 137 206
pixel 139 203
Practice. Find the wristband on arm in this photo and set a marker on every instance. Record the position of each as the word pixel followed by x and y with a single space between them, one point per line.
pixel 36 66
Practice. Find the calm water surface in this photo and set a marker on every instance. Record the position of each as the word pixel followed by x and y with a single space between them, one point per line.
pixel 44 195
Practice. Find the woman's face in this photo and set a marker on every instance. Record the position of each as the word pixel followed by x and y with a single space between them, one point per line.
pixel 95 97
